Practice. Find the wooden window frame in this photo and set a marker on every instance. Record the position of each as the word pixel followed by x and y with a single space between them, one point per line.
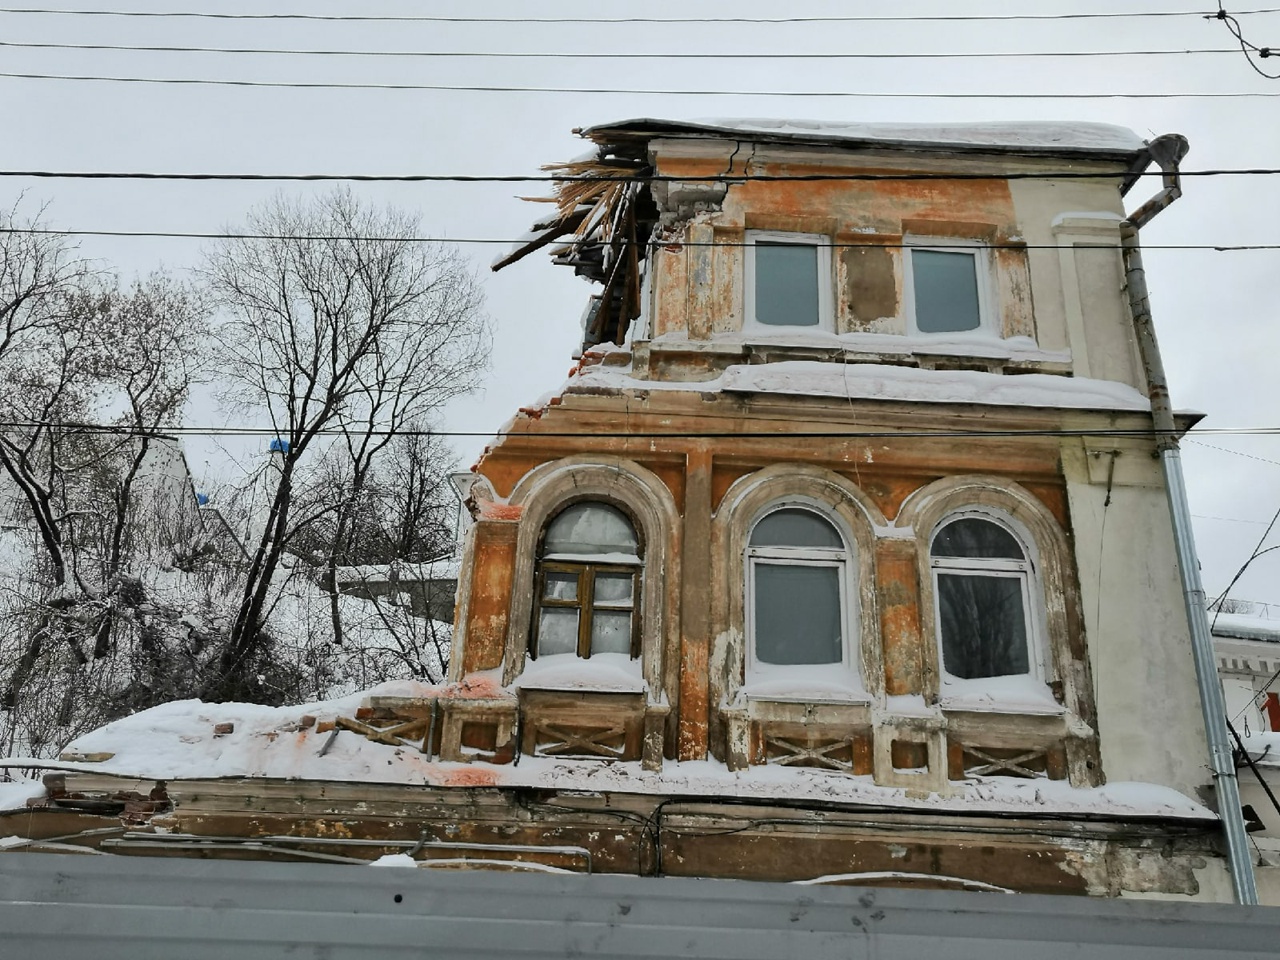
pixel 584 601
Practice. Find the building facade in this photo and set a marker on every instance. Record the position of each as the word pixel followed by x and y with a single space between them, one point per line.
pixel 842 556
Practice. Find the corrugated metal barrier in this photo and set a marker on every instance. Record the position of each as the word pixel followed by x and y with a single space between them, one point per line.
pixel 116 907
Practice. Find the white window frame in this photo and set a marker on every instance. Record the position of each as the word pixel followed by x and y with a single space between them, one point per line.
pixel 846 671
pixel 826 295
pixel 987 321
pixel 1024 570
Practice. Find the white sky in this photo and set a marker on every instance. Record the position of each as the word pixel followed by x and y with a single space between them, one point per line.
pixel 1214 311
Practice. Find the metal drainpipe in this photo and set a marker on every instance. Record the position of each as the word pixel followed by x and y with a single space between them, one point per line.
pixel 1167 151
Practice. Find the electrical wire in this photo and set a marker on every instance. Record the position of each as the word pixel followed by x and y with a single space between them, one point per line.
pixel 245 431
pixel 1238 453
pixel 623 177
pixel 371 18
pixel 568 238
pixel 629 91
pixel 1248 49
pixel 612 55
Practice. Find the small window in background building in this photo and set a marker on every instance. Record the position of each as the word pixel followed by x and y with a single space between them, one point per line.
pixel 981 580
pixel 588 583
pixel 796 568
pixel 788 280
pixel 945 291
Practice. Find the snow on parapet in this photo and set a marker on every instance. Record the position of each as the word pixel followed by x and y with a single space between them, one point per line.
pixel 875 381
pixel 1028 136
pixel 190 740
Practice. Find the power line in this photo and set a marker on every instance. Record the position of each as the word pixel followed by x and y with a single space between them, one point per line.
pixel 361 18
pixel 615 55
pixel 939 245
pixel 1250 50
pixel 583 91
pixel 1238 453
pixel 206 431
pixel 624 177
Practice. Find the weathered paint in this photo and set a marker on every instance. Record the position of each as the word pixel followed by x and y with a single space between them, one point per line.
pixel 492 555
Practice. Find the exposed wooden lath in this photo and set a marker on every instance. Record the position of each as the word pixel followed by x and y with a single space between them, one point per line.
pixel 597 232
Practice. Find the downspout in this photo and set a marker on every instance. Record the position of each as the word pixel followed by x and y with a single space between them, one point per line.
pixel 1168 151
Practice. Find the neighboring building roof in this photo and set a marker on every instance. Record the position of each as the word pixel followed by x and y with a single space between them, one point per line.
pixel 1245 627
pixel 1039 138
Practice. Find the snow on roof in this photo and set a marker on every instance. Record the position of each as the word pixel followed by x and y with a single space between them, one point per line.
pixel 874 381
pixel 14 796
pixel 1244 627
pixel 442 568
pixel 1041 137
pixel 177 741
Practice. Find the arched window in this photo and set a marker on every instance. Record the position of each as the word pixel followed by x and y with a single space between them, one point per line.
pixel 588 583
pixel 982 583
pixel 797 590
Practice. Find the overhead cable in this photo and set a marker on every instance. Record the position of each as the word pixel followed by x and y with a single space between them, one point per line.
pixel 1250 50
pixel 672 244
pixel 862 434
pixel 583 91
pixel 625 177
pixel 374 18
pixel 613 54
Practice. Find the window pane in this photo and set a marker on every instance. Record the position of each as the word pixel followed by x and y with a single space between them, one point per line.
pixel 946 291
pixel 983 624
pixel 557 631
pixel 611 631
pixel 795 528
pixel 972 537
pixel 591 528
pixel 797 614
pixel 786 284
pixel 561 586
pixel 613 588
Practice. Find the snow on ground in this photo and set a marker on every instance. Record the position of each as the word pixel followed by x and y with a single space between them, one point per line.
pixel 874 381
pixel 179 741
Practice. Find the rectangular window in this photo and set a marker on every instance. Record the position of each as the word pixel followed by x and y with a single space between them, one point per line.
pixel 586 608
pixel 788 281
pixel 947 290
pixel 797 613
pixel 982 618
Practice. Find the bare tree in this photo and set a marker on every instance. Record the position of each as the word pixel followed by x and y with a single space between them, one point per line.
pixel 46 347
pixel 338 323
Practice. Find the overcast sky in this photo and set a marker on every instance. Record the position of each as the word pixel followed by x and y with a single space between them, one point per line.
pixel 1215 311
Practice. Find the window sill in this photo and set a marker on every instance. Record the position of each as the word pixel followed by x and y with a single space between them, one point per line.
pixel 804 688
pixel 605 672
pixel 1022 695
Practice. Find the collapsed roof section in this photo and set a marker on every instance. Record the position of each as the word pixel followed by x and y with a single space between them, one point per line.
pixel 605 212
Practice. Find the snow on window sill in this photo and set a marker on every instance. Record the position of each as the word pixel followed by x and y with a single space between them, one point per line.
pixel 818 683
pixel 1021 694
pixel 604 672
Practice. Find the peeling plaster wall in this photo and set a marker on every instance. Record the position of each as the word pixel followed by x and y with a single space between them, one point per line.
pixel 1147 699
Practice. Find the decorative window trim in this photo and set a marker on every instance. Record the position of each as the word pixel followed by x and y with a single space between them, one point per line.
pixel 988 321
pixel 825 292
pixel 1064 649
pixel 842 559
pixel 856 517
pixel 548 489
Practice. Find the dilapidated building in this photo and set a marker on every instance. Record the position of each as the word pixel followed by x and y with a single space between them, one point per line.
pixel 842 556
